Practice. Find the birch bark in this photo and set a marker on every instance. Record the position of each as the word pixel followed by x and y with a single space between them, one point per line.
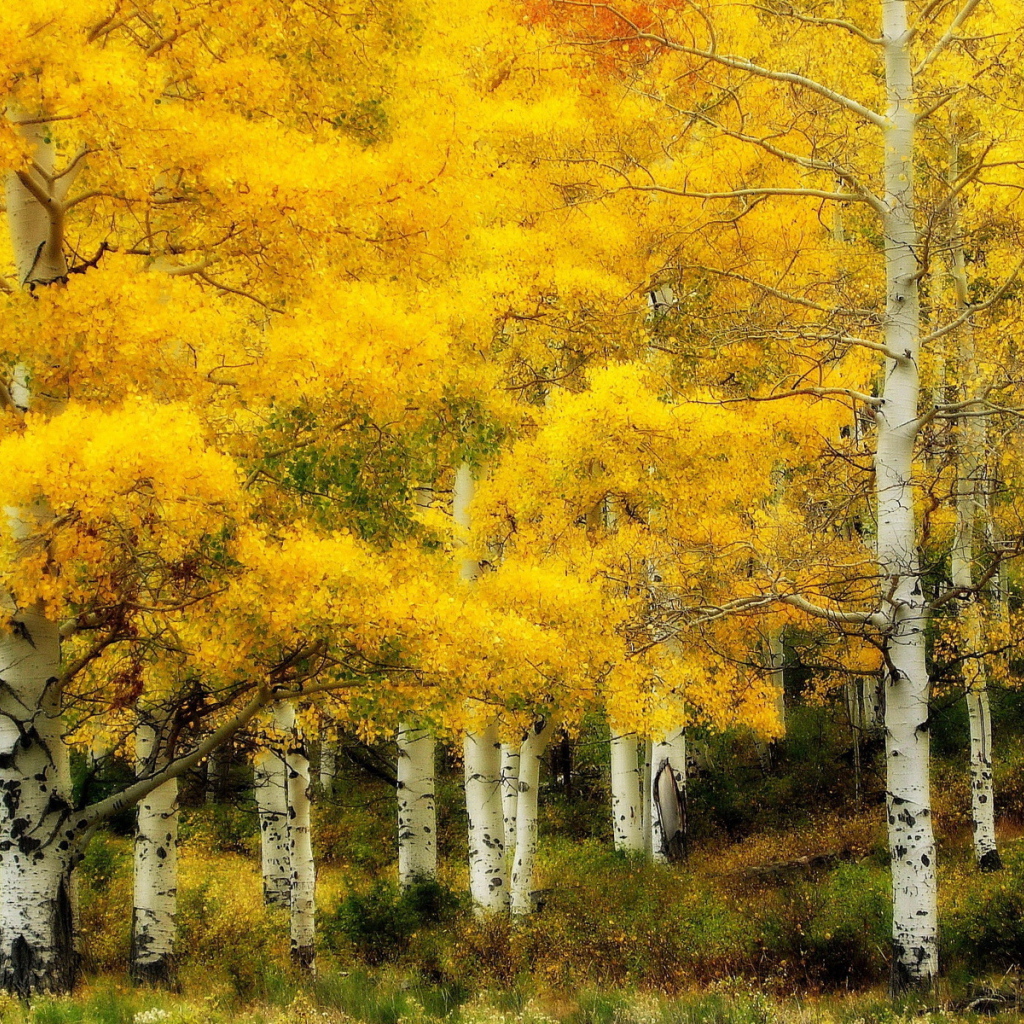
pixel 969 500
pixel 531 756
pixel 271 786
pixel 488 880
pixel 417 817
pixel 37 849
pixel 911 840
pixel 300 848
pixel 510 754
pixel 155 907
pixel 627 787
pixel 488 872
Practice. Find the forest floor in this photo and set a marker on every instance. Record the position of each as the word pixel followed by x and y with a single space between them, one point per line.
pixel 780 913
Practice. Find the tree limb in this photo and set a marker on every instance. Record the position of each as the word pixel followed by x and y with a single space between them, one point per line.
pixel 741 64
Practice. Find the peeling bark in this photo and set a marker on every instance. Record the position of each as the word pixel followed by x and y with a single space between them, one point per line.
pixel 667 807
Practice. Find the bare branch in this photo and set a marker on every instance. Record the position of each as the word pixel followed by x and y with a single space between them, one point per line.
pixel 856 396
pixel 995 297
pixel 131 795
pixel 740 64
pixel 808 19
pixel 742 193
pixel 831 614
pixel 948 36
pixel 797 300
pixel 875 346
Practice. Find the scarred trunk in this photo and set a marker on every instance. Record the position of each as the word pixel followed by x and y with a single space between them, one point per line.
pixel 667 796
pixel 37 842
pixel 154 916
pixel 417 818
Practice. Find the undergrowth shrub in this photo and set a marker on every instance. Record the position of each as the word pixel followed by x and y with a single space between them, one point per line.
pixel 381 922
pixel 223 925
pixel 982 925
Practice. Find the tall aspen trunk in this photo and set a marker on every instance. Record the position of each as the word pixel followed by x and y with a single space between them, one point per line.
pixel 969 500
pixel 911 840
pixel 646 781
pixel 155 906
pixel 488 879
pixel 627 787
pixel 417 817
pixel 531 755
pixel 510 754
pixel 270 780
pixel 488 872
pixel 37 846
pixel 667 796
pixel 300 848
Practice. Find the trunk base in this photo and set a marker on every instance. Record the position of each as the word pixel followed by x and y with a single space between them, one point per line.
pixel 304 957
pixel 25 971
pixel 990 861
pixel 162 973
pixel 902 982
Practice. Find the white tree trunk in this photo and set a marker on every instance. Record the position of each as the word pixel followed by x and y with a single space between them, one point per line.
pixel 37 846
pixel 300 848
pixel 417 817
pixel 647 780
pixel 777 661
pixel 270 781
pixel 970 495
pixel 911 840
pixel 668 784
pixel 627 787
pixel 328 761
pixel 509 792
pixel 488 872
pixel 37 850
pixel 488 882
pixel 154 916
pixel 212 768
pixel 531 755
